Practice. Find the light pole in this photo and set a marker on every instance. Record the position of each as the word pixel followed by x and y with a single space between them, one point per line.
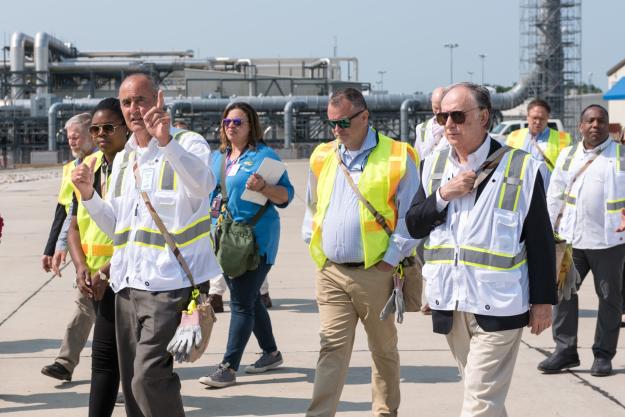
pixel 381 79
pixel 470 75
pixel 483 58
pixel 451 47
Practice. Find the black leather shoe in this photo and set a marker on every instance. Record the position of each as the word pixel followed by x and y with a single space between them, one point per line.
pixel 217 302
pixel 58 371
pixel 558 361
pixel 601 367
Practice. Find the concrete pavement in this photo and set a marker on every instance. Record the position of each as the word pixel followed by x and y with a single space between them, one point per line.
pixel 30 338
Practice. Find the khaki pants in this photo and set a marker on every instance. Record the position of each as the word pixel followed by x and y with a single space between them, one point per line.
pixel 344 296
pixel 486 361
pixel 77 332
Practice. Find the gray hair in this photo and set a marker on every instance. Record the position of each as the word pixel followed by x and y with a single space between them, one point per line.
pixel 83 120
pixel 350 94
pixel 480 94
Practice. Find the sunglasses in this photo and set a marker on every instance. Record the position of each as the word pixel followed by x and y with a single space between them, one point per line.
pixel 457 116
pixel 235 122
pixel 345 122
pixel 107 129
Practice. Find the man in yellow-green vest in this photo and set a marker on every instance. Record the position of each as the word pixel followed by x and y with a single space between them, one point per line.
pixel 542 142
pixel 354 254
pixel 79 326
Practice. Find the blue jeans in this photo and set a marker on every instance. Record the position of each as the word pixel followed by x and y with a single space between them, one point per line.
pixel 248 314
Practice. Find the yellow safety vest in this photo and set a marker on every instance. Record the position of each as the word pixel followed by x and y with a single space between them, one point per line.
pixel 96 245
pixel 555 143
pixel 378 183
pixel 67 189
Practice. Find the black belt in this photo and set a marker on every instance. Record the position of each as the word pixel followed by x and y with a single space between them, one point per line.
pixel 351 264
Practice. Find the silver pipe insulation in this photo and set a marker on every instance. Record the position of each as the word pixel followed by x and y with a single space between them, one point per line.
pixel 17 55
pixel 43 44
pixel 76 105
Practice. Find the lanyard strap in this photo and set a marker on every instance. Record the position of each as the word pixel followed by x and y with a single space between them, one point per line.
pixel 489 165
pixel 540 151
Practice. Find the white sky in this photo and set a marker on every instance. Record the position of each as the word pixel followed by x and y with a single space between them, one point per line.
pixel 404 38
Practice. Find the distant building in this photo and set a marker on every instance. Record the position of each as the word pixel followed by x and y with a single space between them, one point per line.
pixel 616 93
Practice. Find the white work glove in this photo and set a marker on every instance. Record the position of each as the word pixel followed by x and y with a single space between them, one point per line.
pixel 395 303
pixel 188 334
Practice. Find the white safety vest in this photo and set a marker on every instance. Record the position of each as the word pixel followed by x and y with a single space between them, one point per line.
pixel 141 258
pixel 484 271
pixel 613 158
pixel 425 143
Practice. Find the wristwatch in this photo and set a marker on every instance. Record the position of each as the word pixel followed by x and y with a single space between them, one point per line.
pixel 103 276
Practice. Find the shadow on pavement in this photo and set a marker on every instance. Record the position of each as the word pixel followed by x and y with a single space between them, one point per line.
pixel 295 305
pixel 242 405
pixel 47 401
pixel 355 376
pixel 28 346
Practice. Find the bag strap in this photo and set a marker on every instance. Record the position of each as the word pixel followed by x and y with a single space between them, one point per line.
pixel 544 156
pixel 376 214
pixel 490 164
pixel 169 239
pixel 224 195
pixel 569 187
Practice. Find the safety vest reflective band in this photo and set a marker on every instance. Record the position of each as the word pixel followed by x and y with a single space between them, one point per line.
pixel 570 199
pixel 167 179
pixel 378 183
pixel 96 245
pixel 67 190
pixel 472 256
pixel 569 157
pixel 620 158
pixel 423 129
pixel 120 178
pixel 556 141
pixel 512 181
pixel 438 170
pixel 154 238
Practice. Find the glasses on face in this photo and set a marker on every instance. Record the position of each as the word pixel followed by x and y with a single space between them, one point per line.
pixel 234 121
pixel 345 122
pixel 106 128
pixel 457 116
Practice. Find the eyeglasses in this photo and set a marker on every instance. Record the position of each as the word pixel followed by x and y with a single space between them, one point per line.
pixel 107 129
pixel 345 122
pixel 458 116
pixel 235 122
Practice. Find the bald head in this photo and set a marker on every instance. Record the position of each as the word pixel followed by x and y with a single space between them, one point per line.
pixel 437 96
pixel 143 79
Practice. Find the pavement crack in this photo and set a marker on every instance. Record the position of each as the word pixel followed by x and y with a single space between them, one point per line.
pixel 581 379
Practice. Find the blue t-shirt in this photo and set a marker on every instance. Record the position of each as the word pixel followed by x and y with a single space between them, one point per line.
pixel 267 229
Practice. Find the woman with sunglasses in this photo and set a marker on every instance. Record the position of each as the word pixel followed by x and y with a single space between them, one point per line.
pixel 244 150
pixel 91 250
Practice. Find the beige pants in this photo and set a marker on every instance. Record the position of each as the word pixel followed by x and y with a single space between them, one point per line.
pixel 77 332
pixel 486 361
pixel 344 296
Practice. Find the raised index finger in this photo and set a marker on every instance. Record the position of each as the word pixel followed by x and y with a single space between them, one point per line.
pixel 160 101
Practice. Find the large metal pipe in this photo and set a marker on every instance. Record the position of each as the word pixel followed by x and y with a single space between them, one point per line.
pixel 75 105
pixel 43 44
pixel 135 54
pixel 289 121
pixel 17 55
pixel 404 115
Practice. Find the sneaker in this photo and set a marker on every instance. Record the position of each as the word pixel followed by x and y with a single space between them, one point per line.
pixel 266 362
pixel 58 371
pixel 266 300
pixel 217 302
pixel 222 377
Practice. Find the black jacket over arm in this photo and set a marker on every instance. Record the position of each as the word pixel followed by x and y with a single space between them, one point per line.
pixel 423 217
pixel 57 224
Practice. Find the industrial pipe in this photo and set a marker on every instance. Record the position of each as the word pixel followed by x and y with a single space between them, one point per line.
pixel 43 44
pixel 17 57
pixel 289 121
pixel 77 105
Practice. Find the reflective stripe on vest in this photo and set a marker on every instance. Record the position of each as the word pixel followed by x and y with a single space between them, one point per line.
pixel 154 238
pixel 120 176
pixel 620 158
pixel 569 157
pixel 438 169
pixel 67 190
pixel 512 181
pixel 472 256
pixel 423 129
pixel 168 176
